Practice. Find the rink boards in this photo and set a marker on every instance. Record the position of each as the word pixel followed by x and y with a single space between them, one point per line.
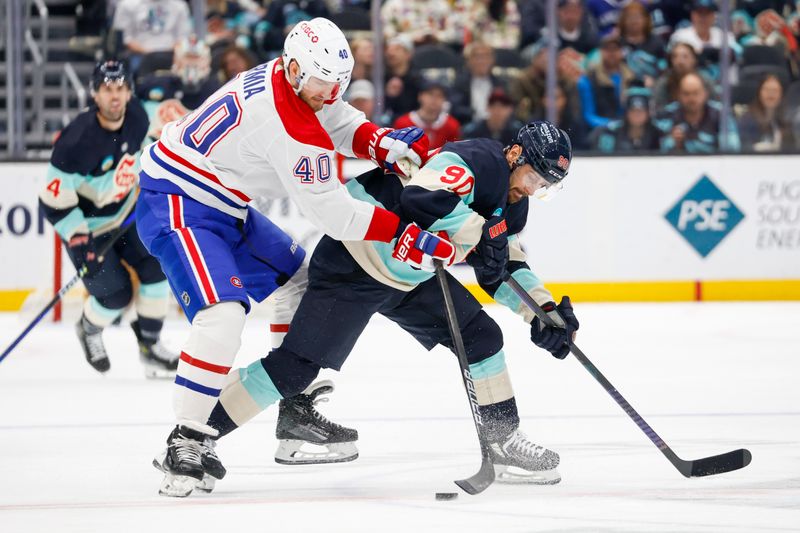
pixel 623 229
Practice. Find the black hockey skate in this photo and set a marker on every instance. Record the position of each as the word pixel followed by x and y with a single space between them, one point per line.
pixel 91 339
pixel 188 463
pixel 518 460
pixel 158 361
pixel 299 424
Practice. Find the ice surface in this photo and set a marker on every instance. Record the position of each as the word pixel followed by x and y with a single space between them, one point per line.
pixel 75 447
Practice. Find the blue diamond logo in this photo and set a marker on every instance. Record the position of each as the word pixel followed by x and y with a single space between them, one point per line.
pixel 704 216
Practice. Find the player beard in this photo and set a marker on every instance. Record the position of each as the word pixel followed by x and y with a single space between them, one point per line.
pixel 112 115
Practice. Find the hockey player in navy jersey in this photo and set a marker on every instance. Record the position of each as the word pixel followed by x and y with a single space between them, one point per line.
pixel 270 132
pixel 477 193
pixel 91 189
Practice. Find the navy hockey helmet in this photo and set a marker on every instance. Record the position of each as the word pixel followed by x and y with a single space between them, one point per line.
pixel 546 148
pixel 111 71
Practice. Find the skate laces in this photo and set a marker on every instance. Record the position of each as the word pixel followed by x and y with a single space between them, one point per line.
pixel 95 344
pixel 187 449
pixel 519 442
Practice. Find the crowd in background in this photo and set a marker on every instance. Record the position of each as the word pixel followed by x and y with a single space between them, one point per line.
pixel 632 75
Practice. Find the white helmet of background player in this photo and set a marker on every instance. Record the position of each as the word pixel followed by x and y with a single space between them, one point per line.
pixel 321 51
pixel 191 62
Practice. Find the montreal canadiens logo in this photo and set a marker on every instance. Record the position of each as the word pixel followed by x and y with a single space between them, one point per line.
pixel 236 282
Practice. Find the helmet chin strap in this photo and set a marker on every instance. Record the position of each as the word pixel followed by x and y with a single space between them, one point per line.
pixel 300 80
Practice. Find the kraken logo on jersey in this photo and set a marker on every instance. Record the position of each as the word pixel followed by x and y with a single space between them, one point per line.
pixel 125 175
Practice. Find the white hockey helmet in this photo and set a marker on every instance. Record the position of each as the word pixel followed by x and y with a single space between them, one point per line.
pixel 321 51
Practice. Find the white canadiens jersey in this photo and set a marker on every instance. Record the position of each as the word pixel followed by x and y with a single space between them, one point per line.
pixel 254 137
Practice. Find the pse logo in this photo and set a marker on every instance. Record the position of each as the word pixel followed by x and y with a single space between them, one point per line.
pixel 704 216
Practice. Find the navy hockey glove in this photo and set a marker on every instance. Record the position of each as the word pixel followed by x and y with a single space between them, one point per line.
pixel 419 248
pixel 556 339
pixel 83 251
pixel 490 256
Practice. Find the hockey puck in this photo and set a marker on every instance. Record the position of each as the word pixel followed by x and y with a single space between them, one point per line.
pixel 446 496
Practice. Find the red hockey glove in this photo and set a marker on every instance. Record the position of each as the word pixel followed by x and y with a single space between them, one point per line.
pixel 419 248
pixel 387 146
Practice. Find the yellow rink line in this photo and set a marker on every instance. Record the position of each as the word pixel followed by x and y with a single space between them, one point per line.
pixel 627 291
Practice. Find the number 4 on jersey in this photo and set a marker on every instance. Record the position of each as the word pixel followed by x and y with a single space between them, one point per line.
pixel 306 171
pixel 54 187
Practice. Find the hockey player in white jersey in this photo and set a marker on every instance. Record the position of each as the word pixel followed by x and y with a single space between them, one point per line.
pixel 271 131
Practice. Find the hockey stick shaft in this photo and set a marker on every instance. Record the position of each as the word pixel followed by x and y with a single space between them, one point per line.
pixel 701 467
pixel 485 476
pixel 65 289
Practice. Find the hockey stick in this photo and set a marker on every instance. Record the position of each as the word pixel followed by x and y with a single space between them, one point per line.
pixel 65 289
pixel 706 466
pixel 485 476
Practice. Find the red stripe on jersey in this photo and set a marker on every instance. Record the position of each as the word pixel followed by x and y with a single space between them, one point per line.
pixel 383 226
pixel 194 257
pixel 206 174
pixel 199 363
pixel 279 328
pixel 297 117
pixel 175 211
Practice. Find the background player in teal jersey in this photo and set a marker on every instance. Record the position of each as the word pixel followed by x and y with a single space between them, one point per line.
pixel 91 190
pixel 476 192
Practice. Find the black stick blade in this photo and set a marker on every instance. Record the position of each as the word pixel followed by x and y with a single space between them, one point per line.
pixel 719 464
pixel 480 481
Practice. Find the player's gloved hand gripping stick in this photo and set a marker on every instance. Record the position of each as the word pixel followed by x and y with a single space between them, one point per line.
pixel 87 267
pixel 706 466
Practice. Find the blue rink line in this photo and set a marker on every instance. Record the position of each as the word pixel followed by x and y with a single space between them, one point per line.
pixel 400 419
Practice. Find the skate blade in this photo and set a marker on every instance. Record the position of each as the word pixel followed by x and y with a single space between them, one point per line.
pixel 177 486
pixel 291 452
pixel 512 475
pixel 206 485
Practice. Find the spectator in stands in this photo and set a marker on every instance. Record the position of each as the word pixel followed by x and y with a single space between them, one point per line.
pixel 703 35
pixel 754 7
pixel 533 20
pixel 496 22
pixel 472 87
pixel 432 116
pixel 402 82
pixel 604 83
pixel 606 13
pixel 568 116
pixel 742 25
pixel 169 96
pixel 528 88
pixel 234 60
pixel 499 123
pixel 219 35
pixel 635 133
pixel 643 50
pixel 765 127
pixel 282 15
pixel 772 30
pixel 364 56
pixel 682 59
pixel 423 21
pixel 361 95
pixel 572 31
pixel 692 124
pixel 151 26
pixel 636 31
